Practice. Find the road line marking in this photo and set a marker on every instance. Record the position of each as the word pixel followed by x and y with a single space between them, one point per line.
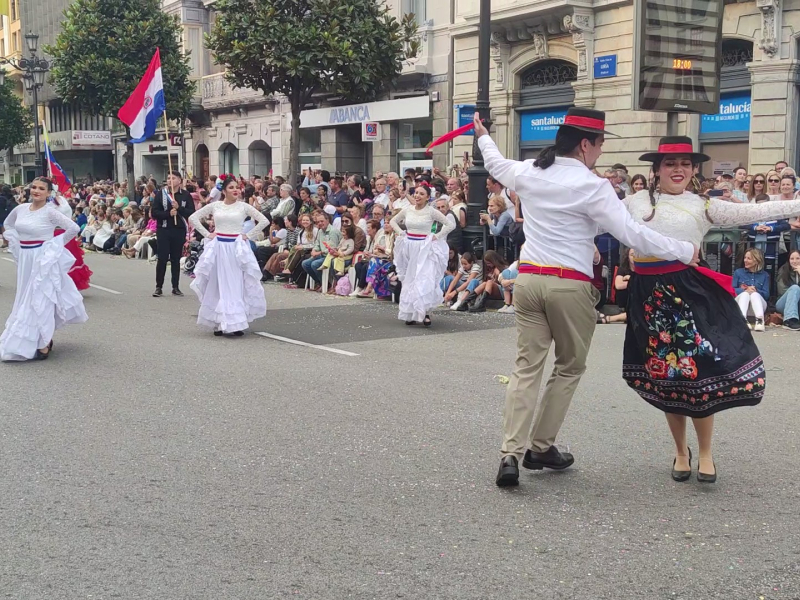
pixel 11 260
pixel 306 344
pixel 105 289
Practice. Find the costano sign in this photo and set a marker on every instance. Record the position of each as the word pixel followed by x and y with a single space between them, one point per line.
pixel 91 138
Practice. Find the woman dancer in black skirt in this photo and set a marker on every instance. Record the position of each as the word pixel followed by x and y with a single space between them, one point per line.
pixel 688 350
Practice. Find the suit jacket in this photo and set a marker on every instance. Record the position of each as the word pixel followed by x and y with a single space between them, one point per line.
pixel 162 216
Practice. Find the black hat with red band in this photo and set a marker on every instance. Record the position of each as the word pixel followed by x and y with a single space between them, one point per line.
pixel 586 119
pixel 675 144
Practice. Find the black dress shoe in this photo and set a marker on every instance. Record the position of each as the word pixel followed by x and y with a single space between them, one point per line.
pixel 682 475
pixel 176 292
pixel 41 355
pixel 157 293
pixel 552 459
pixel 705 477
pixel 508 474
pixel 218 333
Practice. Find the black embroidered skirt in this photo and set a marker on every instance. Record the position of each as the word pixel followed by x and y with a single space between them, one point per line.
pixel 688 349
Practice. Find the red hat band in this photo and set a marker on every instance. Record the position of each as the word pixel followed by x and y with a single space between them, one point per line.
pixel 675 149
pixel 575 121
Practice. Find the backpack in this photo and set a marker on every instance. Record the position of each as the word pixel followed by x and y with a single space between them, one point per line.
pixel 343 287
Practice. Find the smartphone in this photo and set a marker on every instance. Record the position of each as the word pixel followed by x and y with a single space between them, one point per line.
pixel 715 193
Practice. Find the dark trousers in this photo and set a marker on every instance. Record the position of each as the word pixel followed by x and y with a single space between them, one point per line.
pixel 361 274
pixel 263 254
pixel 170 248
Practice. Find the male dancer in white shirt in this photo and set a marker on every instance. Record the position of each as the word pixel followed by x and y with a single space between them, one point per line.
pixel 563 206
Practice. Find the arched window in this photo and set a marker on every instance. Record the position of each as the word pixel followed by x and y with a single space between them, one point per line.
pixel 549 73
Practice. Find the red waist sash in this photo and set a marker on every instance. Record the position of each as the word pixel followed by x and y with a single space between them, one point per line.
pixel 662 267
pixel 562 272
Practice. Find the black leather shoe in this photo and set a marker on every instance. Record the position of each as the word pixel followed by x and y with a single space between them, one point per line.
pixel 705 477
pixel 508 474
pixel 218 333
pixel 552 459
pixel 478 305
pixel 682 475
pixel 157 293
pixel 176 292
pixel 464 306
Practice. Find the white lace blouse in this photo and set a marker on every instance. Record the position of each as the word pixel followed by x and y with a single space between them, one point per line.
pixel 29 225
pixel 421 221
pixel 683 217
pixel 229 218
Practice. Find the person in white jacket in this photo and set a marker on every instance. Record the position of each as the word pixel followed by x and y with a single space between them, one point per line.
pixel 286 205
pixel 563 205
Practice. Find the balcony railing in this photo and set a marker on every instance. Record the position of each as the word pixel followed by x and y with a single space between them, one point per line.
pixel 218 93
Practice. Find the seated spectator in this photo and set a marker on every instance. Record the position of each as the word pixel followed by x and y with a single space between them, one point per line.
pixel 507 280
pixel 276 236
pixel 97 217
pixel 620 296
pixel 453 265
pixel 273 263
pixel 375 237
pixel 498 218
pixel 357 214
pixel 360 237
pixel 133 222
pixel 326 237
pixel 469 277
pixel 638 183
pixel 490 288
pixel 105 236
pixel 378 213
pixel 789 292
pixel 456 237
pixel 458 204
pixel 380 265
pixel 308 204
pixel 299 252
pixel 137 241
pixel 342 255
pixel 751 285
pixel 767 235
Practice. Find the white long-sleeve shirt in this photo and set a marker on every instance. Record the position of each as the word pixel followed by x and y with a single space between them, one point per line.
pixel 565 205
pixel 228 218
pixel 421 221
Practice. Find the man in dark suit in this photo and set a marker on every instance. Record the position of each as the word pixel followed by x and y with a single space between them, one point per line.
pixel 171 213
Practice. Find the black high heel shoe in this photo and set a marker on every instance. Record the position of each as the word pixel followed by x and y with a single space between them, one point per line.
pixel 427 321
pixel 705 477
pixel 683 475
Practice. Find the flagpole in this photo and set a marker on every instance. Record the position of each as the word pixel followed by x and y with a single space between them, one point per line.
pixel 47 141
pixel 169 162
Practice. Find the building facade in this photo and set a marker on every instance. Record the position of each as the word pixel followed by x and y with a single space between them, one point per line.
pixel 11 46
pixel 243 132
pixel 81 143
pixel 547 57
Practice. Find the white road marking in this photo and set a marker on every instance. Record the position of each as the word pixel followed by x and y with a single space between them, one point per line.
pixel 105 289
pixel 306 344
pixel 97 287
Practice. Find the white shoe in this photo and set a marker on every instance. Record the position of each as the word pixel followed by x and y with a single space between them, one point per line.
pixel 455 305
pixel 760 325
pixel 507 310
pixel 750 326
pixel 356 292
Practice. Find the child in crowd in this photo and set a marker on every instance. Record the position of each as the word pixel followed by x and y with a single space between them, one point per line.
pixel 494 265
pixel 468 278
pixel 751 284
pixel 453 265
pixel 506 281
pixel 343 253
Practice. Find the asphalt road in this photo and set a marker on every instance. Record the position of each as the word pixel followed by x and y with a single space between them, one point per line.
pixel 147 459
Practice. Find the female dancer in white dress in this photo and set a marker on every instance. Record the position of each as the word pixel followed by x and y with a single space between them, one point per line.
pixel 47 298
pixel 688 350
pixel 227 276
pixel 420 257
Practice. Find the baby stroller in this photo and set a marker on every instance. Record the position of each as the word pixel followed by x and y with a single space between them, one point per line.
pixel 190 262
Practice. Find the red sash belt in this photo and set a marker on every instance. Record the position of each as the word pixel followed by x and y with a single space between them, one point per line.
pixel 561 272
pixel 662 267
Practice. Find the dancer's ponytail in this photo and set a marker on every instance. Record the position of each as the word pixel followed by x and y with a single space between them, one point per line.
pixel 567 140
pixel 546 157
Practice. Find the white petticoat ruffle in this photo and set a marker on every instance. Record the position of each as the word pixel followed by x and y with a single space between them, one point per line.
pixel 46 299
pixel 420 267
pixel 228 284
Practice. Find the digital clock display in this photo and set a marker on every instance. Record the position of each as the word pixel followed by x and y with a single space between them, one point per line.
pixel 678 55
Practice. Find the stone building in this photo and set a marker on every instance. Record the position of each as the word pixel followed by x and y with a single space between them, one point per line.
pixel 547 57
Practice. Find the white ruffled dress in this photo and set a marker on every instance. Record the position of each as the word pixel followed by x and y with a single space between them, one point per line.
pixel 227 277
pixel 420 257
pixel 46 298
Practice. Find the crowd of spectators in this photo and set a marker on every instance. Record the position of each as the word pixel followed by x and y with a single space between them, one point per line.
pixel 340 224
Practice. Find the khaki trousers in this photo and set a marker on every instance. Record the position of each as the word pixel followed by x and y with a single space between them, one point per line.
pixel 548 309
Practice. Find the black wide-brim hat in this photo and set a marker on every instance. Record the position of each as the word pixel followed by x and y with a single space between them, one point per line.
pixel 675 144
pixel 587 119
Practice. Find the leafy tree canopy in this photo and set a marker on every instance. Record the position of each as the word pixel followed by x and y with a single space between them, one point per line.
pixel 15 119
pixel 104 48
pixel 351 48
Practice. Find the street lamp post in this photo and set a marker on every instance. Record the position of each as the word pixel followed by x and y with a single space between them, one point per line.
pixel 34 70
pixel 478 195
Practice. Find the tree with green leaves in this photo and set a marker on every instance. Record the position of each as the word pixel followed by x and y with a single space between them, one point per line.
pixel 354 49
pixel 104 49
pixel 15 120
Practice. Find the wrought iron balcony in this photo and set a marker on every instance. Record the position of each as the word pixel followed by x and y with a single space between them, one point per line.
pixel 218 93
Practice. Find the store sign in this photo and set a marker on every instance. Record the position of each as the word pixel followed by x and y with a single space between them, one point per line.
pixel 417 107
pixel 605 66
pixel 371 132
pixel 175 139
pixel 541 125
pixel 91 138
pixel 733 115
pixel 465 114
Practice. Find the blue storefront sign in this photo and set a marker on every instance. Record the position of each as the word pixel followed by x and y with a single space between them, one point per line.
pixel 733 116
pixel 541 125
pixel 465 113
pixel 605 66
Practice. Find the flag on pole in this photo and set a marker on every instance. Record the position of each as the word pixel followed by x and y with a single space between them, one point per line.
pixel 144 108
pixel 57 174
